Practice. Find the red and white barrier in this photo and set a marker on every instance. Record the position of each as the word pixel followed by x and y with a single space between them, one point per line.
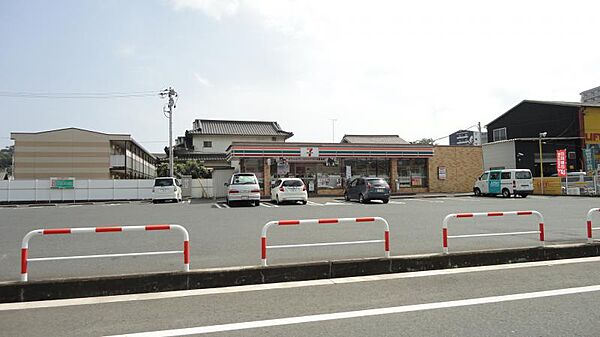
pixel 263 239
pixel 590 229
pixel 80 230
pixel 445 235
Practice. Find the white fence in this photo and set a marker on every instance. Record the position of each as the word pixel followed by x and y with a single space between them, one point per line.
pixel 89 190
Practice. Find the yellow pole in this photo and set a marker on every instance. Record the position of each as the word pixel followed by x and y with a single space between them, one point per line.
pixel 541 168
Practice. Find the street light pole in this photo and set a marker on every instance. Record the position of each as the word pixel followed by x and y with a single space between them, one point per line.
pixel 542 134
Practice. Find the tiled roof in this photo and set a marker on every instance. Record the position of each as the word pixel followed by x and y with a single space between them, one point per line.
pixel 249 128
pixel 373 139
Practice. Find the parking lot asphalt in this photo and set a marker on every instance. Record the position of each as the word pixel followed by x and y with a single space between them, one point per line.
pixel 550 298
pixel 225 237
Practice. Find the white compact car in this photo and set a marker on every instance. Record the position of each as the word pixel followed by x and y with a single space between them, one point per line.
pixel 166 188
pixel 289 189
pixel 243 187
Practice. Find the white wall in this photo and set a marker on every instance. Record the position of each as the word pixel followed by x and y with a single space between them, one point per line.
pixel 90 190
pixel 500 154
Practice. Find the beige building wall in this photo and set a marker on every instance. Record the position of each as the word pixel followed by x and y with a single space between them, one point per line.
pixel 62 153
pixel 463 165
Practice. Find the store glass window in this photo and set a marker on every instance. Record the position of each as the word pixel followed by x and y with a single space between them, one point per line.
pixel 369 168
pixel 329 175
pixel 413 172
pixel 256 166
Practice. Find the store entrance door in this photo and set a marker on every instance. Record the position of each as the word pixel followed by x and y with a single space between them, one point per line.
pixel 308 173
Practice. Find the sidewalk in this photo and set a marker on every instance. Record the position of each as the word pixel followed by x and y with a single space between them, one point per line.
pixel 431 195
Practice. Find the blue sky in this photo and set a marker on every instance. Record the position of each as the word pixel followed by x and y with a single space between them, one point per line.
pixel 418 70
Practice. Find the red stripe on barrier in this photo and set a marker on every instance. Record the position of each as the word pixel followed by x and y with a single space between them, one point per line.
pixel 386 238
pixel 263 246
pixel 464 215
pixel 186 252
pixel 541 231
pixel 57 231
pixel 328 221
pixel 108 229
pixel 589 229
pixel 445 237
pixel 23 260
pixel 158 227
pixel 288 222
pixel 495 214
pixel 365 219
pixel 525 213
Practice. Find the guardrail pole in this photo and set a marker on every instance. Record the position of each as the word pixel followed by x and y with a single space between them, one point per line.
pixel 447 218
pixel 55 231
pixel 263 237
pixel 590 229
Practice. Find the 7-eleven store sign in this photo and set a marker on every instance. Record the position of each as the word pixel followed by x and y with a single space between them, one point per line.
pixel 309 152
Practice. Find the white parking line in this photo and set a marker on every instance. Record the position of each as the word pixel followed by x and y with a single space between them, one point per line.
pixel 468 199
pixel 224 205
pixel 313 203
pixel 266 205
pixel 285 285
pixel 397 202
pixel 365 313
pixel 425 200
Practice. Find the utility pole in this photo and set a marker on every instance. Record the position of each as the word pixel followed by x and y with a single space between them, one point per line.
pixel 333 120
pixel 542 135
pixel 172 94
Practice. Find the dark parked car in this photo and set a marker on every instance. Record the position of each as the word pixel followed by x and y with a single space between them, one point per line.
pixel 367 189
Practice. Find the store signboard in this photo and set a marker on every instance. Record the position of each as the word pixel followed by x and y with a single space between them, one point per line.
pixel 348 172
pixel 561 163
pixel 62 183
pixel 442 172
pixel 309 152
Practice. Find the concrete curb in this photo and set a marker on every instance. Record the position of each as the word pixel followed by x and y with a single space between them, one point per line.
pixel 212 278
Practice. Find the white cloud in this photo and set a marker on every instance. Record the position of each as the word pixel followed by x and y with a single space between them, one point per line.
pixel 126 51
pixel 202 81
pixel 217 9
pixel 421 68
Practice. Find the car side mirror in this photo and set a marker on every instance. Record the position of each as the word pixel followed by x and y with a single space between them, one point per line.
pixel 479 178
pixel 226 184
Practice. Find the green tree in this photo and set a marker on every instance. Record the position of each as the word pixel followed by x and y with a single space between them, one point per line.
pixel 195 168
pixel 428 141
pixel 6 156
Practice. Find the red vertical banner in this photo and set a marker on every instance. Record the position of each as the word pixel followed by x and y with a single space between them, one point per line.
pixel 561 163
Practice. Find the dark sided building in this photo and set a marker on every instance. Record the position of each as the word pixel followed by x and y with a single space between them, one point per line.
pixel 561 121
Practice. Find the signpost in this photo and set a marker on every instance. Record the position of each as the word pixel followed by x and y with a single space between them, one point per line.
pixel 62 183
pixel 561 167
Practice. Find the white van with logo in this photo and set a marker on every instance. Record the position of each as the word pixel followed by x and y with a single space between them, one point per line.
pixel 506 182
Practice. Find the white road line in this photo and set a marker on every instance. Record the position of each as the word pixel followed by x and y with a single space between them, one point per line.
pixel 283 285
pixel 224 205
pixel 218 206
pixel 425 200
pixel 365 313
pixel 264 204
pixel 460 199
pixel 397 202
pixel 313 203
pixel 336 203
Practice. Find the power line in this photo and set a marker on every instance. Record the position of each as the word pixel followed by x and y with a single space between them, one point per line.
pixel 79 95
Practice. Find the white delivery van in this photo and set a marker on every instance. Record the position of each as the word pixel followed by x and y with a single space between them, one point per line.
pixel 506 182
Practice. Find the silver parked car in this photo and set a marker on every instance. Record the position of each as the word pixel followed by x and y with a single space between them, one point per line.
pixel 243 187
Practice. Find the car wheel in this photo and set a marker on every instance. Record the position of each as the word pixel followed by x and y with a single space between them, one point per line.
pixel 257 203
pixel 524 195
pixel 477 192
pixel 277 202
pixel 304 202
pixel 505 193
pixel 346 197
pixel 361 199
pixel 385 201
pixel 154 201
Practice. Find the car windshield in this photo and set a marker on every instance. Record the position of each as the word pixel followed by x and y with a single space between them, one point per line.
pixel 523 175
pixel 377 181
pixel 244 180
pixel 163 182
pixel 293 183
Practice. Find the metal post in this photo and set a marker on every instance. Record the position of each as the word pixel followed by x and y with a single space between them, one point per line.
pixel 541 166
